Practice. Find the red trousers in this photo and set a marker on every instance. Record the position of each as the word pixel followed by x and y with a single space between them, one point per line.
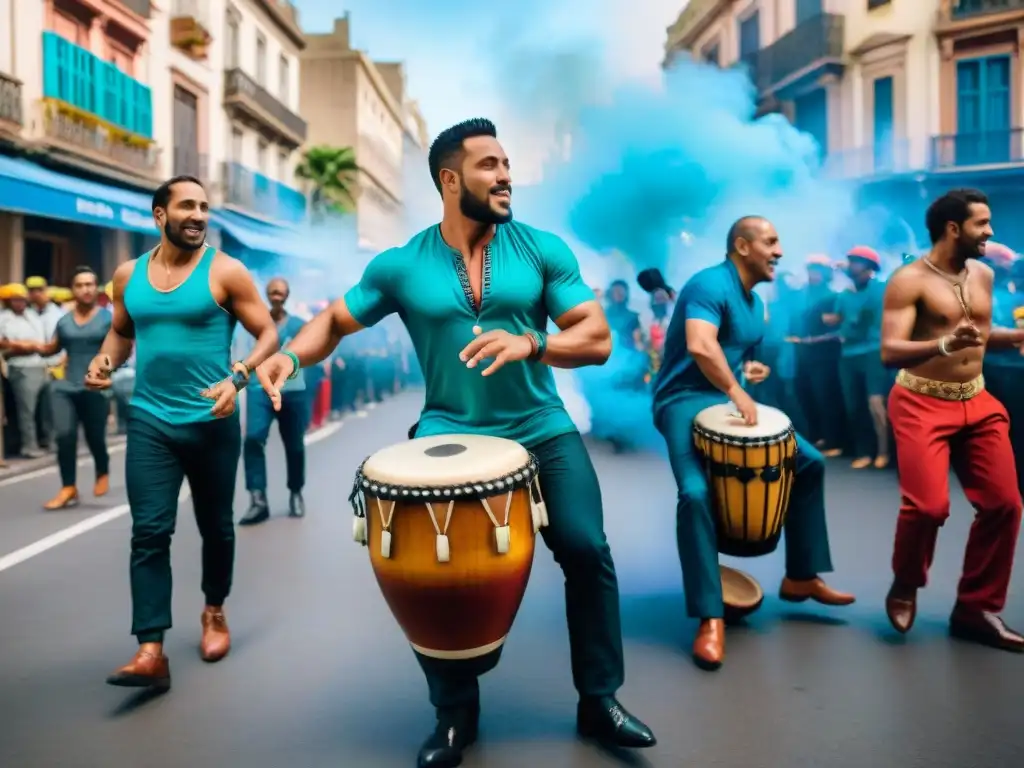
pixel 973 437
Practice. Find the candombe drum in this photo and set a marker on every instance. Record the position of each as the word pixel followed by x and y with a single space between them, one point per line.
pixel 450 523
pixel 750 473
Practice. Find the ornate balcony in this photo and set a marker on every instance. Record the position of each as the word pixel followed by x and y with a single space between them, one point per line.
pixel 92 109
pixel 978 150
pixel 255 193
pixel 810 52
pixel 11 119
pixel 191 31
pixel 254 103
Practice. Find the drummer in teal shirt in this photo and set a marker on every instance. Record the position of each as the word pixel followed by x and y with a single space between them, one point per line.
pixel 717 326
pixel 865 382
pixel 480 274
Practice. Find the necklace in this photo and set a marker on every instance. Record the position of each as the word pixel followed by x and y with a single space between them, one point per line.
pixel 958 283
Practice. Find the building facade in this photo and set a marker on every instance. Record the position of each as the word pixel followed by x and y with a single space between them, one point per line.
pixel 908 97
pixel 100 100
pixel 352 101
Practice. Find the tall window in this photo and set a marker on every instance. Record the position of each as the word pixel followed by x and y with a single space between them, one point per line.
pixel 883 123
pixel 750 36
pixel 261 59
pixel 284 79
pixel 261 157
pixel 711 55
pixel 983 110
pixel 808 9
pixel 811 116
pixel 231 39
pixel 283 169
pixel 236 145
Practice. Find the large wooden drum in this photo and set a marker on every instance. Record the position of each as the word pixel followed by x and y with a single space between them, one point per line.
pixel 450 523
pixel 750 472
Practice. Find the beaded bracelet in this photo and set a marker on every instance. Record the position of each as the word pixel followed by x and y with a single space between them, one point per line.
pixel 296 367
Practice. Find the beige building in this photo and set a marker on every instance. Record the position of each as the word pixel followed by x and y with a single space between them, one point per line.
pixel 886 86
pixel 352 101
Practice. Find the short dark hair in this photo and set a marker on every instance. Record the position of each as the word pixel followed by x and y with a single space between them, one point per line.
pixel 740 228
pixel 953 207
pixel 84 270
pixel 447 149
pixel 279 279
pixel 162 196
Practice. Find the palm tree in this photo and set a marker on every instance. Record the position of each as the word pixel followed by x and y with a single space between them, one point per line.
pixel 332 171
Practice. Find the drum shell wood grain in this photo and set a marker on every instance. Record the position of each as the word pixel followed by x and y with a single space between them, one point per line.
pixel 749 514
pixel 455 608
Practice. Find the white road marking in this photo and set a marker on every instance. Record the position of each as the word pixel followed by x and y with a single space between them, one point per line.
pixel 101 518
pixel 52 468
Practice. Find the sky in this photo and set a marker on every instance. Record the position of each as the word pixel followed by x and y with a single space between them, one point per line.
pixel 470 59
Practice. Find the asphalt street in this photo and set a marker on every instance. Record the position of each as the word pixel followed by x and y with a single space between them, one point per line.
pixel 320 674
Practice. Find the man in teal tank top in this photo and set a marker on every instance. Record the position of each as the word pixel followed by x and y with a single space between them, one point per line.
pixel 179 305
pixel 475 294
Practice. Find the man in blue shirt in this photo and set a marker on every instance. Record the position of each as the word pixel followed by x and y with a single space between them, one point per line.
pixel 718 324
pixel 475 294
pixel 865 382
pixel 292 422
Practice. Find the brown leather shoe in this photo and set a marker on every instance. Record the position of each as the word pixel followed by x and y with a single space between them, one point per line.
pixel 102 486
pixel 149 669
pixel 709 644
pixel 793 591
pixel 984 628
pixel 901 608
pixel 65 499
pixel 216 640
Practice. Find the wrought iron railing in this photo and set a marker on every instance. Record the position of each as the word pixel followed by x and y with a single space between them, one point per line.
pixel 11 109
pixel 238 84
pixel 817 39
pixel 259 194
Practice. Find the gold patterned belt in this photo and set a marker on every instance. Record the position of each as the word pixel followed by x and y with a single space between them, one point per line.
pixel 943 390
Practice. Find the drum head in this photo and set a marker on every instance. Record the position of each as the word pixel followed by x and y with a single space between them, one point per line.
pixel 446 460
pixel 723 420
pixel 741 593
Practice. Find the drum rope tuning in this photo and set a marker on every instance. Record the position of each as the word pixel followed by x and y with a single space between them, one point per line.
pixel 502 531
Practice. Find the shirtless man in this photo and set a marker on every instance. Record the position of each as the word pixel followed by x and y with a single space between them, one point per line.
pixel 936 325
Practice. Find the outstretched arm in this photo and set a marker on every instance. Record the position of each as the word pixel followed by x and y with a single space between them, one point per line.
pixel 319 337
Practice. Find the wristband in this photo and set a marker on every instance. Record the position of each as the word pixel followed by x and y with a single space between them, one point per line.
pixel 540 344
pixel 240 380
pixel 942 347
pixel 295 363
pixel 239 367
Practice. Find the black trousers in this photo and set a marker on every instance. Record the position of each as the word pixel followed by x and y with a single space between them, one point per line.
pixel 575 536
pixel 159 457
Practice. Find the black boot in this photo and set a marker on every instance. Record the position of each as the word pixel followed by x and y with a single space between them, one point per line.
pixel 456 730
pixel 607 722
pixel 296 506
pixel 258 510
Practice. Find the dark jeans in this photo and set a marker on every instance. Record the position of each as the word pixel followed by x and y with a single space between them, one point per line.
pixel 160 456
pixel 73 407
pixel 575 536
pixel 292 422
pixel 817 388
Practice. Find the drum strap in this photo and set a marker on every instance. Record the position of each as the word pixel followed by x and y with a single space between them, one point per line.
pixel 537 505
pixel 443 552
pixel 502 535
pixel 385 528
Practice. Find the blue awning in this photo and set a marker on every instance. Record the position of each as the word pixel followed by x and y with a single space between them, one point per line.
pixel 31 189
pixel 258 235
